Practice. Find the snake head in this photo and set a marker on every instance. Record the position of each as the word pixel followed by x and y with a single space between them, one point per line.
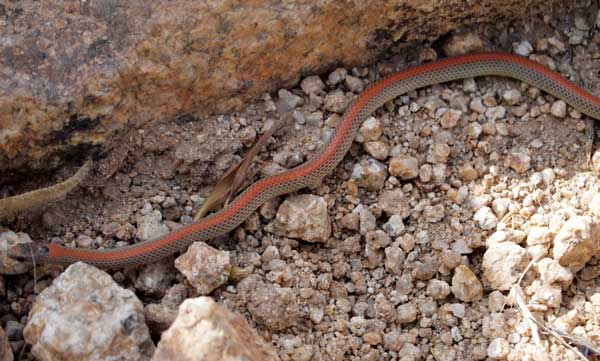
pixel 28 252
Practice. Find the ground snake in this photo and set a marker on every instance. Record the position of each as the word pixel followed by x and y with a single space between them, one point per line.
pixel 313 171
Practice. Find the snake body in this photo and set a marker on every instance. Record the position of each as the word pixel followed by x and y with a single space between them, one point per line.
pixel 311 172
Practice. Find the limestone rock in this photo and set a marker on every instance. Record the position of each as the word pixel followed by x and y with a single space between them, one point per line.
pixel 576 242
pixel 302 216
pixel 85 315
pixel 207 331
pixel 205 267
pixel 465 284
pixel 503 263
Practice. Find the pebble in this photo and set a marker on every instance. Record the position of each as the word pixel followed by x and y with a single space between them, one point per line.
pixel 515 236
pixel 9 266
pixel 337 76
pixel 405 167
pixel 394 202
pixel 498 349
pixel 440 153
pixel 576 242
pixel 270 305
pixel 485 218
pixel 370 129
pixel 523 48
pixel 450 118
pixel 312 85
pixel 394 260
pixel 438 289
pixel 354 84
pixel 302 216
pixel 369 174
pixel 467 173
pixel 205 268
pixel 290 99
pixel 205 330
pixel 377 149
pixel 539 235
pixel 503 263
pixel 406 313
pixel 465 285
pixel 559 109
pixel 160 316
pixel 85 315
pixel 336 101
pixel 496 301
pixel 549 295
pixel 394 226
pixel 477 106
pixel 474 130
pixel 462 43
pixel 519 162
pixel 150 226
pixel 511 96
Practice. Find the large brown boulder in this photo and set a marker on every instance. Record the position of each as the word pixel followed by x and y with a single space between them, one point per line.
pixel 73 73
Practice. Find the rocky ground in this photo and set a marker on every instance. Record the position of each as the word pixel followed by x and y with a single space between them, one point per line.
pixel 462 225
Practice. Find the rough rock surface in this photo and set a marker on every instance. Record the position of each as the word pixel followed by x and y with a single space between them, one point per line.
pixel 206 268
pixel 85 315
pixel 73 73
pixel 303 216
pixel 207 331
pixel 9 266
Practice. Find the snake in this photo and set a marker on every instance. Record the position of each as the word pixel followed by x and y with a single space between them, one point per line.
pixel 323 163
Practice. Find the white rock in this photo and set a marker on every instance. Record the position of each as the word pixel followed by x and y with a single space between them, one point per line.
pixel 207 331
pixel 576 242
pixel 485 218
pixel 302 216
pixel 312 85
pixel 559 109
pixel 551 271
pixel 549 295
pixel 150 226
pixel 370 174
pixel 85 315
pixel 498 349
pixel 539 235
pixel 506 235
pixel 205 267
pixel 503 263
pixel 465 284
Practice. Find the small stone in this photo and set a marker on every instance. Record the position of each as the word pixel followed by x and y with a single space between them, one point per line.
pixel 270 305
pixel 370 129
pixel 312 85
pixel 394 226
pixel 496 301
pixel 394 202
pixel 559 109
pixel 377 149
pixel 523 48
pixel 336 101
pixel 434 214
pixel 465 285
pixel 440 152
pixel 302 216
pixel 85 315
pixel 503 263
pixel 457 309
pixel 551 271
pixel 450 118
pixel 498 349
pixel 425 173
pixel 477 106
pixel 405 167
pixel 337 76
pixel 369 174
pixel 247 136
pixel 350 221
pixel 511 96
pixel 394 260
pixel 474 130
pixel 150 226
pixel 467 173
pixel 354 84
pixel 506 235
pixel 378 239
pixel 9 266
pixel 207 331
pixel 290 99
pixel 576 242
pixel 438 289
pixel 539 235
pixel 206 268
pixel 406 313
pixel 549 295
pixel 494 113
pixel 500 207
pixel 160 316
pixel 519 162
pixel 485 218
